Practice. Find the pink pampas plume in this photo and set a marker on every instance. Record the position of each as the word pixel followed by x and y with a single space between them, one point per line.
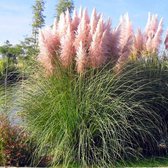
pixel 48 42
pixel 67 18
pixel 153 33
pixel 150 31
pixel 157 40
pixel 67 49
pixel 93 21
pixel 61 25
pixel 82 33
pixel 47 63
pixel 147 28
pixel 126 35
pixel 81 58
pixel 115 44
pixel 75 20
pixel 138 45
pixel 97 57
pixel 93 24
pixel 152 24
pixel 48 45
pixel 107 40
pixel 86 16
pixel 166 41
pixel 126 40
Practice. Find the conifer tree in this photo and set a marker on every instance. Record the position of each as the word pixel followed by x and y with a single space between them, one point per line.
pixel 62 6
pixel 38 18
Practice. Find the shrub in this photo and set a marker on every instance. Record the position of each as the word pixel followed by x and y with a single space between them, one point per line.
pixel 15 150
pixel 15 147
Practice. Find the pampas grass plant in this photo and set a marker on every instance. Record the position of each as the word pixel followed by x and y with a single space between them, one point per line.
pixel 95 118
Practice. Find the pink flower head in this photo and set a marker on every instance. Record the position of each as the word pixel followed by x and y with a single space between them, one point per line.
pixel 82 33
pixel 48 42
pixel 98 47
pixel 86 16
pixel 153 33
pixel 67 48
pixel 67 18
pixel 48 45
pixel 157 40
pixel 80 12
pixel 81 58
pixel 115 43
pixel 46 62
pixel 138 45
pixel 126 37
pixel 75 20
pixel 107 40
pixel 126 41
pixel 62 25
pixel 93 21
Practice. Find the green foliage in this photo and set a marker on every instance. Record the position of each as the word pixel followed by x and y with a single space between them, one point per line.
pixel 15 148
pixel 30 51
pixel 155 72
pixel 10 51
pixel 16 60
pixel 92 119
pixel 63 5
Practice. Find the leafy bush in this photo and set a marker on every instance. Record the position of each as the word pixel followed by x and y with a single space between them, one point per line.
pixel 94 118
pixel 15 147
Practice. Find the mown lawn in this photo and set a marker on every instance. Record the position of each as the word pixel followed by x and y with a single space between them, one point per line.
pixel 148 162
pixel 145 162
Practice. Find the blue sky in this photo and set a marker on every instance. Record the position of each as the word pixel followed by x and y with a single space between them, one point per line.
pixel 16 15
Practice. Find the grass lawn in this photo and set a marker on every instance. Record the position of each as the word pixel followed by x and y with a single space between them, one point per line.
pixel 150 162
pixel 145 162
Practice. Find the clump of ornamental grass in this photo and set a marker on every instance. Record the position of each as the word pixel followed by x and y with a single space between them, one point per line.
pixel 94 118
pixel 154 71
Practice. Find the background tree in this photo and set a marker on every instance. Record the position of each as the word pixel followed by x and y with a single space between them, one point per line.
pixel 9 62
pixel 63 5
pixel 38 18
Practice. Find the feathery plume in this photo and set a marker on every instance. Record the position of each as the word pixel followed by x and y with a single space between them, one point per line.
pixel 93 21
pixel 48 42
pixel 115 43
pixel 75 20
pixel 96 50
pixel 153 33
pixel 67 50
pixel 82 33
pixel 81 58
pixel 61 25
pixel 157 40
pixel 138 44
pixel 48 45
pixel 126 40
